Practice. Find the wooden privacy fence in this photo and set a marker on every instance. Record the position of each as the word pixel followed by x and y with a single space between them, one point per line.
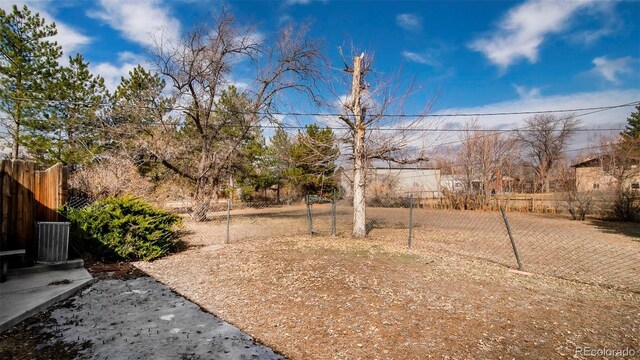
pixel 29 195
pixel 531 203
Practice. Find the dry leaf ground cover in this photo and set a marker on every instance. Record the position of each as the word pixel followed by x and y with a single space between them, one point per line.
pixel 604 253
pixel 322 297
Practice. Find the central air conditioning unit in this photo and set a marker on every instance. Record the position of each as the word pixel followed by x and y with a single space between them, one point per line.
pixel 53 241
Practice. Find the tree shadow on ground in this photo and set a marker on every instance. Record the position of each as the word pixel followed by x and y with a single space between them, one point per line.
pixel 631 229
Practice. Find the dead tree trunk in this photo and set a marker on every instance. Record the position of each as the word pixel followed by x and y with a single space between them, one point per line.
pixel 367 109
pixel 359 154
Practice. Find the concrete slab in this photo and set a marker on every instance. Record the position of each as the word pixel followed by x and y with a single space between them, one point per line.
pixel 43 267
pixel 23 296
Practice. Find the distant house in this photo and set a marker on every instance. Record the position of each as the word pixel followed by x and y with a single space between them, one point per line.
pixel 452 183
pixel 599 174
pixel 504 184
pixel 397 181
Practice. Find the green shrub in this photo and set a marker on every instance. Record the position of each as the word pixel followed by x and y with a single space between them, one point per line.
pixel 123 228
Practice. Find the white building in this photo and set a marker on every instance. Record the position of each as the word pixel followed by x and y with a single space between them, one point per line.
pixel 451 183
pixel 421 182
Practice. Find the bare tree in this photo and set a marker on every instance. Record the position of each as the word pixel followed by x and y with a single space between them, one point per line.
pixel 210 122
pixel 513 167
pixel 619 158
pixel 546 137
pixel 483 155
pixel 574 198
pixel 377 130
pixel 465 158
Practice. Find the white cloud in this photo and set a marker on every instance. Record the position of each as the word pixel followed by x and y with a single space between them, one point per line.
pixel 527 93
pixel 68 37
pixel 611 68
pixel 240 84
pixel 588 37
pixel 409 22
pixel 113 73
pixel 421 58
pixel 141 21
pixel 255 37
pixel 524 28
pixel 604 13
pixel 128 56
pixel 302 2
pixel 284 19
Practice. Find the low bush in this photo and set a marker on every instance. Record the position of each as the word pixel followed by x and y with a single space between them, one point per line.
pixel 123 228
pixel 625 205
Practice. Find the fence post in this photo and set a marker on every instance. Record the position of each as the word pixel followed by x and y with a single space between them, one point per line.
pixel 309 218
pixel 410 219
pixel 228 239
pixel 333 214
pixel 513 243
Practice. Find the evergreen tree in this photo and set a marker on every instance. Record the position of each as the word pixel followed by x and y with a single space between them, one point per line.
pixel 72 133
pixel 28 63
pixel 254 169
pixel 249 163
pixel 138 106
pixel 139 99
pixel 313 156
pixel 279 153
pixel 633 129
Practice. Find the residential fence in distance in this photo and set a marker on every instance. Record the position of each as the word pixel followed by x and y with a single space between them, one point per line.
pixel 598 252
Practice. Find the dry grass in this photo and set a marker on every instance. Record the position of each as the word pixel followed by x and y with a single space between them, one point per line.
pixel 322 297
pixel 547 245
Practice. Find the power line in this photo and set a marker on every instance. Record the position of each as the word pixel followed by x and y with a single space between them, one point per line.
pixel 267 113
pixel 492 131
pixel 302 127
pixel 524 129
pixel 400 169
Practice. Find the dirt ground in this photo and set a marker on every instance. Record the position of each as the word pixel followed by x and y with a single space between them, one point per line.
pixel 322 297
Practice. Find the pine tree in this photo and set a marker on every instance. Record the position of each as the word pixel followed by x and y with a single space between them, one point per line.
pixel 138 99
pixel 313 156
pixel 633 129
pixel 138 105
pixel 28 63
pixel 279 151
pixel 71 135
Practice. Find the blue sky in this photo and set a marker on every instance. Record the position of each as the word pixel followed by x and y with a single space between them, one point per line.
pixel 482 56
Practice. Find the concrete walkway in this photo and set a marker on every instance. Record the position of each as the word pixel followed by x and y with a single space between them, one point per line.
pixel 25 295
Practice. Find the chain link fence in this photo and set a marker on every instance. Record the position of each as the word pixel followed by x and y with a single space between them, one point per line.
pixel 593 253
pixel 78 202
